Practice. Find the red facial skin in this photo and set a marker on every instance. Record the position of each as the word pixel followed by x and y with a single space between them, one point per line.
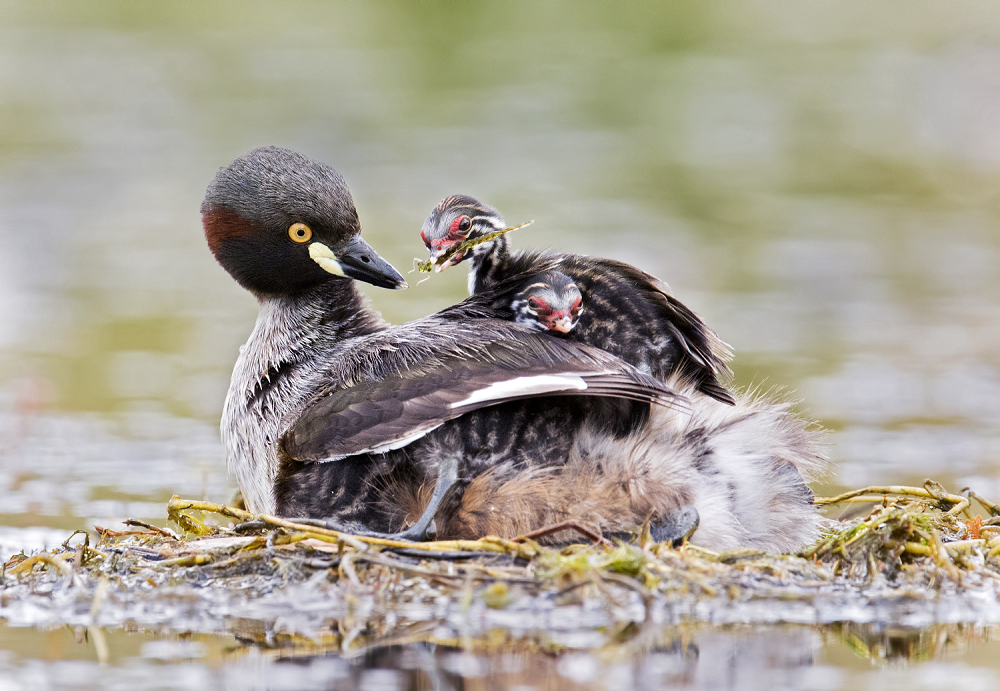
pixel 562 320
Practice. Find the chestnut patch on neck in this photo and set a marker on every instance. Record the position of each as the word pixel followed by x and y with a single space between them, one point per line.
pixel 221 225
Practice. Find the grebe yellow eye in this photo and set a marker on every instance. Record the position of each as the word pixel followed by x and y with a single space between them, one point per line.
pixel 300 232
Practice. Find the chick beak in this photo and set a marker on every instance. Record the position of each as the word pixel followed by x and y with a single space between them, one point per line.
pixel 561 322
pixel 439 248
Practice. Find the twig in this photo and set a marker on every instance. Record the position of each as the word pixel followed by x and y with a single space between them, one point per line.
pixel 959 507
pixel 453 555
pixel 108 532
pixel 86 538
pixel 150 526
pixel 586 529
pixel 917 548
pixel 347 567
pixel 992 508
pixel 190 560
pixel 487 544
pixel 862 499
pixel 942 557
pixel 899 490
pixel 80 550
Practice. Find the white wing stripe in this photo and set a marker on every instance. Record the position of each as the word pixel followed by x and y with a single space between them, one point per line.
pixel 524 386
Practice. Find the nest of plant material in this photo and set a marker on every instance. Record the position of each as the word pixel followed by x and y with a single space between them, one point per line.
pixel 907 537
pixel 914 529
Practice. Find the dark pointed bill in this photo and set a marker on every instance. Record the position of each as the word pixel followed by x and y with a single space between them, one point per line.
pixel 359 261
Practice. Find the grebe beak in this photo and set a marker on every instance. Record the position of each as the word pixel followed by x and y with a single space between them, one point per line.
pixel 357 259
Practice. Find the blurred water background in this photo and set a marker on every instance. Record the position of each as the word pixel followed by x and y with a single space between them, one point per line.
pixel 818 180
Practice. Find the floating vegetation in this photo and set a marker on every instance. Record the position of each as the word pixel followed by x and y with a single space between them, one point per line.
pixel 917 555
pixel 426 266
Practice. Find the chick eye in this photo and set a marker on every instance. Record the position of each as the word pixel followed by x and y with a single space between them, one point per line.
pixel 300 232
pixel 459 226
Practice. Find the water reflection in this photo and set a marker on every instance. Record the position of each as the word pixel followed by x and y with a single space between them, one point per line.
pixel 887 643
pixel 730 658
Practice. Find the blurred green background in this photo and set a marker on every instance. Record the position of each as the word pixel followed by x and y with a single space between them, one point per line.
pixel 818 180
